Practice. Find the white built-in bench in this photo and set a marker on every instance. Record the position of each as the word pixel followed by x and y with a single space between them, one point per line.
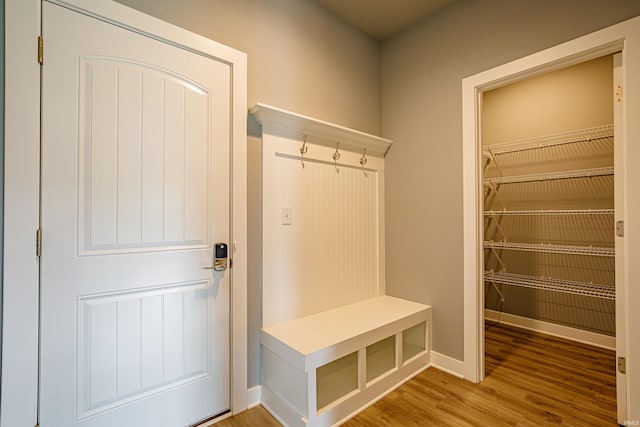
pixel 320 370
pixel 322 248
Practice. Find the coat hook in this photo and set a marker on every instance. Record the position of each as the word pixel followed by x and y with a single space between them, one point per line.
pixel 303 150
pixel 363 159
pixel 336 155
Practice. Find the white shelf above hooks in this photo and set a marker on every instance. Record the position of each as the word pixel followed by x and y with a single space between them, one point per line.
pixel 320 132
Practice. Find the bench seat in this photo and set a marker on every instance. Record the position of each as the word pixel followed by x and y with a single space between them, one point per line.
pixel 321 369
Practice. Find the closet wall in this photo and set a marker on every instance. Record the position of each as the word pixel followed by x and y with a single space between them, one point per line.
pixel 564 102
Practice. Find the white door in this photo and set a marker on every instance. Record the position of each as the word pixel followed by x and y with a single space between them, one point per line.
pixel 135 192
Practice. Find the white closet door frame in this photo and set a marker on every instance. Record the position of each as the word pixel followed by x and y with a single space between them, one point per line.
pixel 22 193
pixel 625 38
pixel 620 191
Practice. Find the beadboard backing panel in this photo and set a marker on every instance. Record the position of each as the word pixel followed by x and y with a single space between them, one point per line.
pixel 332 253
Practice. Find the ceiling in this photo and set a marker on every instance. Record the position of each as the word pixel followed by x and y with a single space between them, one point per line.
pixel 382 19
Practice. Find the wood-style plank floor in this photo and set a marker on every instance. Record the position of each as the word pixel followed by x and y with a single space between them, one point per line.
pixel 531 380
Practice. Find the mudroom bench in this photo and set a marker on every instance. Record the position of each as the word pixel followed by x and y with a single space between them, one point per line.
pixel 322 369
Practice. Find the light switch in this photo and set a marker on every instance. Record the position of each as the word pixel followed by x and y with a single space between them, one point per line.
pixel 286 215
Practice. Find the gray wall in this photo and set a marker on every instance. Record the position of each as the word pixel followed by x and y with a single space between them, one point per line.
pixel 303 59
pixel 300 58
pixel 421 111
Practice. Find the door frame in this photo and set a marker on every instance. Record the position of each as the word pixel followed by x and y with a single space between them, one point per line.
pixel 624 37
pixel 22 194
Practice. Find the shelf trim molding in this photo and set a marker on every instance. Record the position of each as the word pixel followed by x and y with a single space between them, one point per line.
pixel 320 132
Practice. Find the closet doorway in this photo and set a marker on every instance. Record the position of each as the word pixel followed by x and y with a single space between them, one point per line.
pixel 548 207
pixel 548 169
pixel 623 38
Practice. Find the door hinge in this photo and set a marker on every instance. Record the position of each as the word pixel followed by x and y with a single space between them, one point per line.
pixel 619 93
pixel 40 50
pixel 230 262
pixel 620 228
pixel 38 242
pixel 622 365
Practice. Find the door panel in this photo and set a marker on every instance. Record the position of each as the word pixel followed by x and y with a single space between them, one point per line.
pixel 137 344
pixel 143 159
pixel 135 192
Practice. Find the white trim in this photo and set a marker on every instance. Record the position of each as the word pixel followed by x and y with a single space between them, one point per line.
pixel 239 232
pixel 472 233
pixel 623 37
pixel 21 216
pixel 118 14
pixel 560 331
pixel 22 128
pixel 447 364
pixel 254 395
pixel 619 196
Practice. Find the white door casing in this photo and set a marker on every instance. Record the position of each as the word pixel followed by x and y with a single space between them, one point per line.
pixel 624 38
pixel 19 407
pixel 619 193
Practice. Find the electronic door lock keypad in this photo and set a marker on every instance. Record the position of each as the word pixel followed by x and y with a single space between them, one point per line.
pixel 220 257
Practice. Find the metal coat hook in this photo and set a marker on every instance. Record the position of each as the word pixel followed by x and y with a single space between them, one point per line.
pixel 363 159
pixel 336 154
pixel 303 150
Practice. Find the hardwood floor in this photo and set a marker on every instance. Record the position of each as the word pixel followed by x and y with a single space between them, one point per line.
pixel 531 380
pixel 254 417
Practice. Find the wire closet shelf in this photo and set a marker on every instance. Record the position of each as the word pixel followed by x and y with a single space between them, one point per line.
pixel 551 212
pixel 583 135
pixel 579 173
pixel 551 284
pixel 552 248
pixel 493 153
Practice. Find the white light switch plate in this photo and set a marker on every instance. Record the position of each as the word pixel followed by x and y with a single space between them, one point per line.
pixel 286 215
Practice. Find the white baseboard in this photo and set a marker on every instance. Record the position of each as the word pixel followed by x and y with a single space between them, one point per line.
pixel 254 395
pixel 447 364
pixel 561 331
